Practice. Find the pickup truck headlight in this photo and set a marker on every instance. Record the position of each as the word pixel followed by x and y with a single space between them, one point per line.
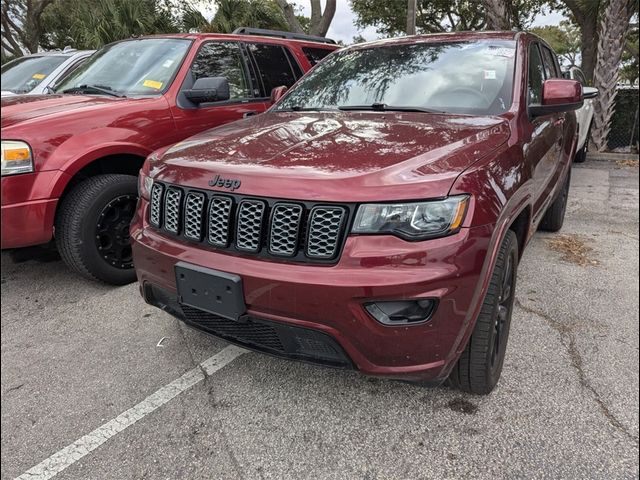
pixel 412 221
pixel 16 157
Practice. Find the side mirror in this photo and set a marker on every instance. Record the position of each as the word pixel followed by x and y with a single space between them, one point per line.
pixel 277 93
pixel 589 92
pixel 558 95
pixel 208 89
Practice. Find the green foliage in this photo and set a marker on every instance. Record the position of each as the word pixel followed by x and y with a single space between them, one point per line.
pixel 563 38
pixel 87 24
pixel 231 14
pixel 389 17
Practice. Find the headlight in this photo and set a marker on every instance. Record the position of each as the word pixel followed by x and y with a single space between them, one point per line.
pixel 16 157
pixel 145 183
pixel 413 221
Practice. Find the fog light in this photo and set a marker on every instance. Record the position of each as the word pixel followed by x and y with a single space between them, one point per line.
pixel 402 311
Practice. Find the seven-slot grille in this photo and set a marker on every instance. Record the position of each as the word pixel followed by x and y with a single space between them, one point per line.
pixel 266 227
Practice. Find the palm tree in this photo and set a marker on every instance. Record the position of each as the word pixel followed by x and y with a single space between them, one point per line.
pixel 613 36
pixel 232 14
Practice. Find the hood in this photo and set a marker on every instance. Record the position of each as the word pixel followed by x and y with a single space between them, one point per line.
pixel 18 109
pixel 335 156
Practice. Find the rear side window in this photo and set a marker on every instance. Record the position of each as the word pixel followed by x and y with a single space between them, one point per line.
pixel 549 63
pixel 223 60
pixel 276 66
pixel 315 55
pixel 536 75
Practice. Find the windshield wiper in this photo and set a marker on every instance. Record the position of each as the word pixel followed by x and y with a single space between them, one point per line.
pixel 298 108
pixel 383 107
pixel 95 88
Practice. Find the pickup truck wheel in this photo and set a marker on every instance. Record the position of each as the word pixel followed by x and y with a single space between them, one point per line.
pixel 92 228
pixel 478 368
pixel 554 216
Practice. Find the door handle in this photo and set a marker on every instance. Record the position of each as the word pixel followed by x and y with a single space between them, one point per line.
pixel 250 113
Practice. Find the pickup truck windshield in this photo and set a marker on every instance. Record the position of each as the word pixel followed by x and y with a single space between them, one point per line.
pixel 24 74
pixel 472 77
pixel 132 67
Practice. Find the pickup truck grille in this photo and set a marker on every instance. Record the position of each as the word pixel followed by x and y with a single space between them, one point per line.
pixel 260 226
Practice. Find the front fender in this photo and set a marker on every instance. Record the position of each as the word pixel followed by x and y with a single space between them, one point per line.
pixel 501 189
pixel 81 150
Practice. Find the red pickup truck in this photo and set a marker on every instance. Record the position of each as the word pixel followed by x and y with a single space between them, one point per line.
pixel 70 159
pixel 375 216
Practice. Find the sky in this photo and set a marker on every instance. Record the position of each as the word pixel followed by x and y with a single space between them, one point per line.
pixel 343 24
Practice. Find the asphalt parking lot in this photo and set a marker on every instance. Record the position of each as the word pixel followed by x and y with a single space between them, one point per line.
pixel 76 355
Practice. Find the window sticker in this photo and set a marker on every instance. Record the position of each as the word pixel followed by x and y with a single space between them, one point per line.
pixel 500 51
pixel 167 63
pixel 489 74
pixel 38 76
pixel 152 84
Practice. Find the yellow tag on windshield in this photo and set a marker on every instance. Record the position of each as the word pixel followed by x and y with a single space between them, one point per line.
pixel 38 76
pixel 152 84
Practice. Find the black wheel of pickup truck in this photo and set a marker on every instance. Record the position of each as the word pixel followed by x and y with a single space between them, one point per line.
pixel 92 228
pixel 479 367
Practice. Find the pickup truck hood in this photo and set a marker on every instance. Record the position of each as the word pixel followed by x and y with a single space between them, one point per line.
pixel 335 156
pixel 18 109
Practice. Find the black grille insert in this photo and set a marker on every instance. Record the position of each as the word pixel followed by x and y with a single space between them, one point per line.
pixel 275 338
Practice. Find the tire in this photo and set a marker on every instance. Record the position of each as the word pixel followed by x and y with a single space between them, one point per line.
pixel 480 365
pixel 581 155
pixel 92 228
pixel 554 216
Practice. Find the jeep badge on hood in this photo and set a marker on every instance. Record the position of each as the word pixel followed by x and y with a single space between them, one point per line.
pixel 230 183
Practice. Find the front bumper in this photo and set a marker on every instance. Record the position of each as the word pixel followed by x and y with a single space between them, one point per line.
pixel 28 211
pixel 329 299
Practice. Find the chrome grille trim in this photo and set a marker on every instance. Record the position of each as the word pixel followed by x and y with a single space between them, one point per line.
pixel 219 214
pixel 193 208
pixel 325 226
pixel 284 229
pixel 249 228
pixel 155 205
pixel 172 201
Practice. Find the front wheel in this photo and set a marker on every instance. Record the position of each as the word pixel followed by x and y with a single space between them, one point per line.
pixel 480 365
pixel 92 228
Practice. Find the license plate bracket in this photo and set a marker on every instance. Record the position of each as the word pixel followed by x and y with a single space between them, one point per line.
pixel 213 291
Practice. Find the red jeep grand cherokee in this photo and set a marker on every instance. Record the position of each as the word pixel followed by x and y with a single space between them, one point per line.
pixel 71 161
pixel 375 216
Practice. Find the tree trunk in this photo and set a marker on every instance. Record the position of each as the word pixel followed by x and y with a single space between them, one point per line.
pixel 589 46
pixel 613 36
pixel 411 17
pixel 319 22
pixel 290 16
pixel 497 15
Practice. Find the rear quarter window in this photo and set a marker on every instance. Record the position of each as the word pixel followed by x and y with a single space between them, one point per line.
pixel 315 55
pixel 276 66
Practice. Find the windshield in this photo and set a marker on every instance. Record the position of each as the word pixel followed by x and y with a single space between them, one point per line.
pixel 458 77
pixel 133 67
pixel 24 74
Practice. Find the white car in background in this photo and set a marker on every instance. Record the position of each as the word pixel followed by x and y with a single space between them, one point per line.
pixel 584 114
pixel 35 74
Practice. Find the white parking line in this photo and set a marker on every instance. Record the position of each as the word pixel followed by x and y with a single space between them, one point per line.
pixel 84 445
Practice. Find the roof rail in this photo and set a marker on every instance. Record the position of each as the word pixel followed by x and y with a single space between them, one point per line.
pixel 281 34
